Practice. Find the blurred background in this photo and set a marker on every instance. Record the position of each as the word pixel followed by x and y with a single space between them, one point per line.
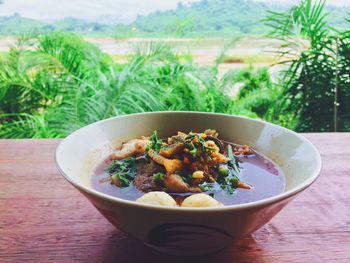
pixel 65 64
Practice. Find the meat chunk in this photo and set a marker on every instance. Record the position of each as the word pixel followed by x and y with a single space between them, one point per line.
pixel 144 179
pixel 131 148
pixel 243 150
pixel 145 183
pixel 244 185
pixel 210 132
pixel 175 184
pixel 172 149
pixel 171 165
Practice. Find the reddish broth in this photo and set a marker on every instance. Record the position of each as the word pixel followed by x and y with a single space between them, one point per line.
pixel 263 174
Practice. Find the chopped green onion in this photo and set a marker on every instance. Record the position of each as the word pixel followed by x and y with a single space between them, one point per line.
pixel 158 177
pixel 224 171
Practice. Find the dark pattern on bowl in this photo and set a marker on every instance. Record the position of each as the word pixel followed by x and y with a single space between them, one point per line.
pixel 180 236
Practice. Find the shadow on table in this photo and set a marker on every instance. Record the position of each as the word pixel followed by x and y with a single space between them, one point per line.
pixel 130 250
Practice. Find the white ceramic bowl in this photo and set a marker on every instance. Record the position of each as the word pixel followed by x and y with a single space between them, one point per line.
pixel 187 231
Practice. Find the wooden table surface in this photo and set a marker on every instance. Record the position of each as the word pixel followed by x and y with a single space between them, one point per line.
pixel 43 218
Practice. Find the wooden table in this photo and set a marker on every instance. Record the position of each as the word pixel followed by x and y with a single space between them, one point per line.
pixel 43 218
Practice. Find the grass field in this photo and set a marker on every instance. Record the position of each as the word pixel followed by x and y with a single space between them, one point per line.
pixel 249 59
pixel 247 50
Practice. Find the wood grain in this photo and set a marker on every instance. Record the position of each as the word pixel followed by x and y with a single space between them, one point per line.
pixel 44 219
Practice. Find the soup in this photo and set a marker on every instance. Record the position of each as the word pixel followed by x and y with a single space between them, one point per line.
pixel 193 170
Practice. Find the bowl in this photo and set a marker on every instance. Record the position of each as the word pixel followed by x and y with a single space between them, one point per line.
pixel 187 231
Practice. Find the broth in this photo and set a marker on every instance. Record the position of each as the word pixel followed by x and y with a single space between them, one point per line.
pixel 259 171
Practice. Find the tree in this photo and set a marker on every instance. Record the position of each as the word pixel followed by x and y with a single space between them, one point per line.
pixel 316 80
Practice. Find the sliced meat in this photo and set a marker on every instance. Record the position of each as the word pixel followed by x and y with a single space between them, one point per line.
pixel 144 179
pixel 156 157
pixel 175 184
pixel 172 149
pixel 171 165
pixel 145 183
pixel 131 148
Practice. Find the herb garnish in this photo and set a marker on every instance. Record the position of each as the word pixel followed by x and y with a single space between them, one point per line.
pixel 228 174
pixel 210 187
pixel 158 177
pixel 192 148
pixel 122 172
pixel 155 143
pixel 233 163
pixel 230 182
pixel 223 170
pixel 193 139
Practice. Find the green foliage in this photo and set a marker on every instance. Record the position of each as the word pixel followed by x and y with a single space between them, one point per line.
pixel 252 81
pixel 41 76
pixel 54 84
pixel 256 96
pixel 316 80
pixel 218 18
pixel 213 17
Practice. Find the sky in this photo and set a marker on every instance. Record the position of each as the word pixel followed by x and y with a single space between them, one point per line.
pixel 115 11
pixel 50 10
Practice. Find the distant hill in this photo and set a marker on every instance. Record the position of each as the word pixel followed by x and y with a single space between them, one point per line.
pixel 17 25
pixel 205 18
pixel 214 17
pixel 220 17
pixel 14 25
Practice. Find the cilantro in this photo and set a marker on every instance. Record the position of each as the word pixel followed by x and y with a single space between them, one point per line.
pixel 207 187
pixel 210 187
pixel 227 184
pixel 229 189
pixel 155 143
pixel 158 177
pixel 122 172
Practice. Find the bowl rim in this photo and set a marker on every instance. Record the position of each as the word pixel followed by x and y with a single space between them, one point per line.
pixel 259 203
